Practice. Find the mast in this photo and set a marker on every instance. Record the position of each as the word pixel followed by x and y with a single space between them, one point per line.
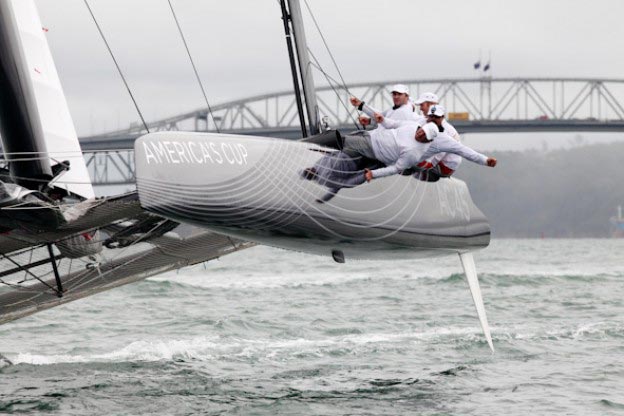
pixel 20 124
pixel 293 68
pixel 305 69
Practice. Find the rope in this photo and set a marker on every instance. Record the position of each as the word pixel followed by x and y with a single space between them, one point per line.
pixel 328 77
pixel 331 55
pixel 69 152
pixel 110 51
pixel 47 155
pixel 58 180
pixel 329 81
pixel 188 52
pixel 28 272
pixel 342 84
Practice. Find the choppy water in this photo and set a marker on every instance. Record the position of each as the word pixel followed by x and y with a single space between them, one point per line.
pixel 271 332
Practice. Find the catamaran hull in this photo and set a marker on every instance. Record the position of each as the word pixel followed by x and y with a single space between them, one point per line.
pixel 256 189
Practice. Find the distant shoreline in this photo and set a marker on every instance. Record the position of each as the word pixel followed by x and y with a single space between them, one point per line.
pixel 565 193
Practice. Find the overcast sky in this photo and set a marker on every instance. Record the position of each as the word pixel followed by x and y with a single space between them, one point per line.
pixel 240 50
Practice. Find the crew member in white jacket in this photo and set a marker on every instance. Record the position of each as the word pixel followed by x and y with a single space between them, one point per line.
pixel 404 148
pixel 398 149
pixel 443 164
pixel 402 109
pixel 425 101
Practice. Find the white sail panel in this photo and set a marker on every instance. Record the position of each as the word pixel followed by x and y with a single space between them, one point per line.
pixel 58 127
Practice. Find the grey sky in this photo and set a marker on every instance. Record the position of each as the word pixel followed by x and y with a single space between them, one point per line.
pixel 239 46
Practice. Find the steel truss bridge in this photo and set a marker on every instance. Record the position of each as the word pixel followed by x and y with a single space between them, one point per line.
pixel 492 105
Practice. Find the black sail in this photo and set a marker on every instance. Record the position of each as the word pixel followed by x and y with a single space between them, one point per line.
pixel 20 125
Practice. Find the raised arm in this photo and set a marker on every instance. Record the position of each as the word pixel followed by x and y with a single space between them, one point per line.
pixel 390 123
pixel 399 120
pixel 361 106
pixel 380 118
pixel 368 110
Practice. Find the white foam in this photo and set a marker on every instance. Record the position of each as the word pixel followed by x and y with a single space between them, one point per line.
pixel 571 332
pixel 207 348
pixel 596 328
pixel 211 348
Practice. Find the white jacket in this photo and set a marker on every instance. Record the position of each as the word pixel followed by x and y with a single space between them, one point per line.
pixel 399 150
pixel 450 160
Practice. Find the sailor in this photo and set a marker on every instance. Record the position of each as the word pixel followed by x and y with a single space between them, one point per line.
pixel 402 109
pixel 425 101
pixel 445 145
pixel 400 150
pixel 443 165
pixel 404 148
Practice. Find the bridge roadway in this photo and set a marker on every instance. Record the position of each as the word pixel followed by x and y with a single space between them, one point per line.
pixel 484 105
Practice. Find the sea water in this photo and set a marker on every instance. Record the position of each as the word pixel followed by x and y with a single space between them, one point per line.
pixel 266 331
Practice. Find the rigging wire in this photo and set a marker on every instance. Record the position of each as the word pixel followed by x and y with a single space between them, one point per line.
pixel 20 287
pixel 331 55
pixel 76 280
pixel 111 261
pixel 110 51
pixel 48 154
pixel 329 79
pixel 39 278
pixel 137 241
pixel 341 84
pixel 57 181
pixel 188 52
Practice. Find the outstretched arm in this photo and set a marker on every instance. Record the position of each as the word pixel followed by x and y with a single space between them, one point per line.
pixel 381 172
pixel 446 144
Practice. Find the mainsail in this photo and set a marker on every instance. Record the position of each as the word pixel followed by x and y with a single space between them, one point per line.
pixel 56 122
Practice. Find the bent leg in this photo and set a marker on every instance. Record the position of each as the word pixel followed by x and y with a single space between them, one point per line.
pixel 359 145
